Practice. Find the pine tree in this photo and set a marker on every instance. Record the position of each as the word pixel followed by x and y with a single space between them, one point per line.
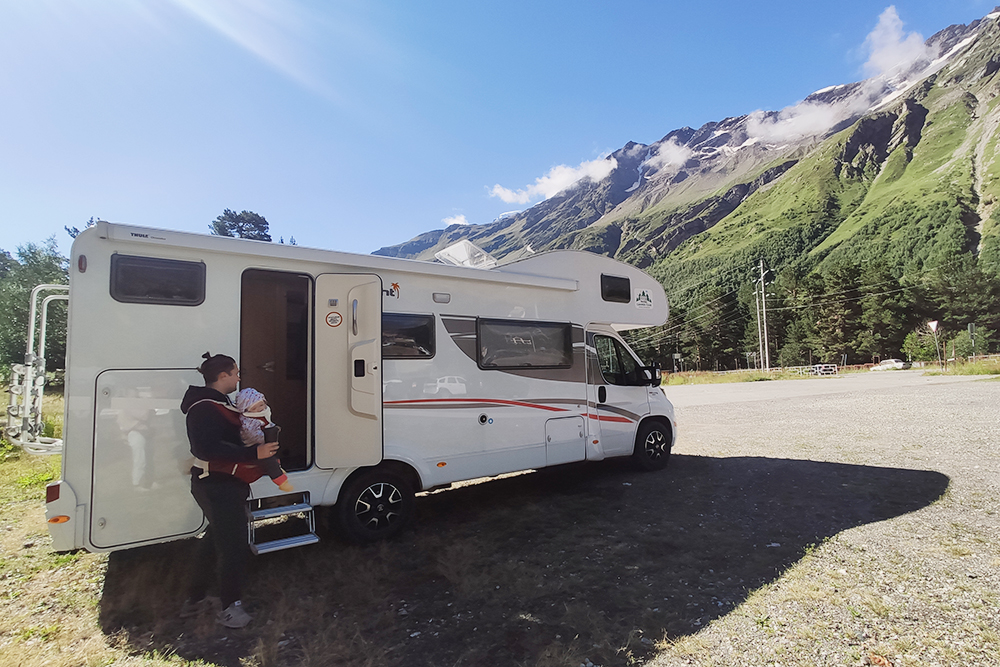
pixel 887 312
pixel 245 225
pixel 74 231
pixel 958 293
pixel 838 313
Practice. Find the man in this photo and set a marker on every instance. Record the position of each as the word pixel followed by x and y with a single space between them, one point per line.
pixel 213 428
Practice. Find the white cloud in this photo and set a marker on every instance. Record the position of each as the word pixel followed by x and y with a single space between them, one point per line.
pixel 889 50
pixel 455 220
pixel 802 120
pixel 890 53
pixel 669 154
pixel 556 180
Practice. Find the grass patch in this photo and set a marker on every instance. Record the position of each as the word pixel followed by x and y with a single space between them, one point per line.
pixel 709 377
pixel 978 367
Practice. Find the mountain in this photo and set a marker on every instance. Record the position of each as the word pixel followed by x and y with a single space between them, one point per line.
pixel 661 194
pixel 899 169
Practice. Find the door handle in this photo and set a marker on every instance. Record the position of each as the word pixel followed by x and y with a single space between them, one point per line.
pixel 354 317
pixel 267 366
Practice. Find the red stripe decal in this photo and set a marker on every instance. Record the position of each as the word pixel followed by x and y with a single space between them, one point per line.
pixel 609 418
pixel 487 401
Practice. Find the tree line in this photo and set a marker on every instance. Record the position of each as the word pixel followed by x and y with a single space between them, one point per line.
pixel 850 310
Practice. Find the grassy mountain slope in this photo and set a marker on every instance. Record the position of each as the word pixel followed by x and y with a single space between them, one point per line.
pixel 907 184
pixel 911 184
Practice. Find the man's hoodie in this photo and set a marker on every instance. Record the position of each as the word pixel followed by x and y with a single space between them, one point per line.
pixel 213 428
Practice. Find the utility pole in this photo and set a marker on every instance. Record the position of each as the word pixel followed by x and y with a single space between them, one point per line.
pixel 763 309
pixel 760 339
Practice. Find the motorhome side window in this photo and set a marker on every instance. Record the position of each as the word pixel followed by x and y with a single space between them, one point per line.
pixel 154 280
pixel 616 289
pixel 407 336
pixel 618 366
pixel 521 344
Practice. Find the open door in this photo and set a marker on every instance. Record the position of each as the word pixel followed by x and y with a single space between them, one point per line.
pixel 348 376
pixel 141 491
pixel 274 354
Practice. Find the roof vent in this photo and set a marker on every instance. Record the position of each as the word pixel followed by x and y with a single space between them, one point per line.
pixel 466 253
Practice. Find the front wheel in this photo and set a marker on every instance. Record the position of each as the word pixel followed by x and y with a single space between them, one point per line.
pixel 375 505
pixel 652 446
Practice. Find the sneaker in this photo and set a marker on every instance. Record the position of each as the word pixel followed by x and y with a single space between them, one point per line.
pixel 233 616
pixel 192 608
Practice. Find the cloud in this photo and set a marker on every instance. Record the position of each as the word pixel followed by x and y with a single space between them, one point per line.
pixel 802 120
pixel 455 220
pixel 556 180
pixel 890 53
pixel 889 50
pixel 669 154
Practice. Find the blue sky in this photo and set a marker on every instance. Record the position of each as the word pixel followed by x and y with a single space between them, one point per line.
pixel 353 125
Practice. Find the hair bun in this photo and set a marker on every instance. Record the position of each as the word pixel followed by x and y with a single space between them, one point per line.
pixel 207 355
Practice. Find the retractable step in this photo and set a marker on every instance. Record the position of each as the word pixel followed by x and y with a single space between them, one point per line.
pixel 268 519
pixel 275 512
pixel 284 543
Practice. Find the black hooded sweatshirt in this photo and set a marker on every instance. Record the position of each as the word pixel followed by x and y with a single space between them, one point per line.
pixel 213 429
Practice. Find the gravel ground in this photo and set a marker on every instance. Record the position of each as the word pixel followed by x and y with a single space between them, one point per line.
pixel 851 521
pixel 920 588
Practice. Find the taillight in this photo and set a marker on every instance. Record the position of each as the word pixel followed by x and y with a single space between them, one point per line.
pixel 52 493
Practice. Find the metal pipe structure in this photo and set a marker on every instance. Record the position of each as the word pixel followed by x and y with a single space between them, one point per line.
pixel 25 389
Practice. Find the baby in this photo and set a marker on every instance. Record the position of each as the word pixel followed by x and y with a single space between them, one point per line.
pixel 256 414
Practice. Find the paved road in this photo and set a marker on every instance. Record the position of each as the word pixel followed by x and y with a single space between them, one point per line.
pixel 741 392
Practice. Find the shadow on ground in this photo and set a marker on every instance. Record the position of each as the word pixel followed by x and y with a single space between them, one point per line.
pixel 554 567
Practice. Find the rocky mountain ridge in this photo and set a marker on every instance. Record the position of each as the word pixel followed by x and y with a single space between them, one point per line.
pixel 660 195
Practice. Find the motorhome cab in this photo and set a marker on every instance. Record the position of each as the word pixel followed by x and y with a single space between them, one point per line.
pixel 387 376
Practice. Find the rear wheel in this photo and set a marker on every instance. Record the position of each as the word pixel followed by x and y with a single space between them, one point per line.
pixel 375 505
pixel 652 446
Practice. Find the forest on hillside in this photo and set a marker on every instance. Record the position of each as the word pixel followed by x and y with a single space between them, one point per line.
pixel 852 309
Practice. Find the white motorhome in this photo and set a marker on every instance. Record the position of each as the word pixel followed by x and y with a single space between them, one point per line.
pixel 387 376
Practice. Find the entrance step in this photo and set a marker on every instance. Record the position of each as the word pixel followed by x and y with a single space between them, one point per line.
pixel 275 512
pixel 267 515
pixel 285 543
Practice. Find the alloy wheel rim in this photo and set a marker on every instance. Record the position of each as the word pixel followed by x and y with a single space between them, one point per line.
pixel 378 506
pixel 655 444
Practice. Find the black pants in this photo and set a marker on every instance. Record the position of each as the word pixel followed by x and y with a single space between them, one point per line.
pixel 224 548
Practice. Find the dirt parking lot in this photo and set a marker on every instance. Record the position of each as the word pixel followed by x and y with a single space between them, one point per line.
pixel 837 521
pixel 919 587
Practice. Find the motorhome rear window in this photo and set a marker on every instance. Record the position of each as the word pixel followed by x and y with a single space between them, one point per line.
pixel 407 336
pixel 616 288
pixel 154 280
pixel 521 344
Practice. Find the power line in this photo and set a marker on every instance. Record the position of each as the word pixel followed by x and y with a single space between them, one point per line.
pixel 733 312
pixel 857 298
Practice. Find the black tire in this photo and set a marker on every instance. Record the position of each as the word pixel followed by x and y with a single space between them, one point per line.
pixel 652 446
pixel 374 505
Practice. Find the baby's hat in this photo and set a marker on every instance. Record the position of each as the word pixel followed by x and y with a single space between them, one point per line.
pixel 247 397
